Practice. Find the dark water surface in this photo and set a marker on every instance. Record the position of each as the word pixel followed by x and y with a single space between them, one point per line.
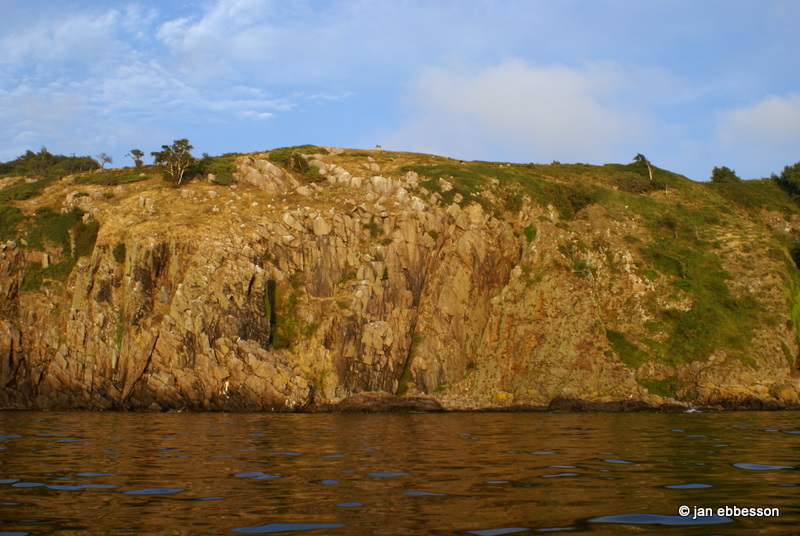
pixel 481 474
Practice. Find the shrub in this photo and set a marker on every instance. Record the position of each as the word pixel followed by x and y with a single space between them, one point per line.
pixel 222 167
pixel 530 232
pixel 724 174
pixel 47 165
pixel 292 158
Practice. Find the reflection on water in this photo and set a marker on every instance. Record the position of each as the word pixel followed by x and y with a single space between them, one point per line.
pixel 484 474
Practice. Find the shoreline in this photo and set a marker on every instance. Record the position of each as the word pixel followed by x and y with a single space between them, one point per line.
pixel 382 402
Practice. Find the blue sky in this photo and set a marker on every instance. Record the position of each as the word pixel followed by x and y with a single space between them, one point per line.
pixel 690 84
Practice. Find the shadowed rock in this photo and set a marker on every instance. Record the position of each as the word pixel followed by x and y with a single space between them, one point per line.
pixel 378 401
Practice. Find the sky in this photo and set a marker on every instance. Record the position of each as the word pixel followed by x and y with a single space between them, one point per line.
pixel 691 84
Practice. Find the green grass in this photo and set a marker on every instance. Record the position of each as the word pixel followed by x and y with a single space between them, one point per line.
pixel 283 309
pixel 69 232
pixel 716 319
pixel 375 230
pixel 508 183
pixel 755 195
pixel 9 218
pixel 668 387
pixel 35 276
pixel 628 353
pixel 51 227
pixel 24 190
pixel 530 232
pixel 115 177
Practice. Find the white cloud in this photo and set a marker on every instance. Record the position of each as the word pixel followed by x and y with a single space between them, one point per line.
pixel 523 112
pixel 762 138
pixel 774 120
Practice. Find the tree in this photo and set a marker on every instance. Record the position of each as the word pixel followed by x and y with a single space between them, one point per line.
pixel 724 175
pixel 104 159
pixel 175 158
pixel 136 155
pixel 641 159
pixel 790 179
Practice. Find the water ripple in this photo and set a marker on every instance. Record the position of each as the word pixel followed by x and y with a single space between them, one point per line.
pixel 284 527
pixel 153 491
pixel 497 532
pixel 656 519
pixel 760 466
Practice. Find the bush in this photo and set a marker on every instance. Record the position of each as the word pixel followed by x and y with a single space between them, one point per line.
pixel 47 165
pixel 292 158
pixel 724 174
pixel 789 179
pixel 222 167
pixel 530 232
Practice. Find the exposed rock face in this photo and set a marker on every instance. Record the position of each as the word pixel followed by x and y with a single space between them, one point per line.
pixel 285 295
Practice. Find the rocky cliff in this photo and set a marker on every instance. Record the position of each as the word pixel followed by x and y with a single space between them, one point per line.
pixel 312 274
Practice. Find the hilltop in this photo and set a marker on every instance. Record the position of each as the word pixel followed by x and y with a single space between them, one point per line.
pixel 293 278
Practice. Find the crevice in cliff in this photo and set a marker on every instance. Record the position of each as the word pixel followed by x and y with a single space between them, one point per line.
pixel 138 365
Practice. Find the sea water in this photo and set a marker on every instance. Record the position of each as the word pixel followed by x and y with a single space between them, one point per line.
pixel 354 474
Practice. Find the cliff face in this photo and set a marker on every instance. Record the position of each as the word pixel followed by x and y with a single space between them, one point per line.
pixel 403 273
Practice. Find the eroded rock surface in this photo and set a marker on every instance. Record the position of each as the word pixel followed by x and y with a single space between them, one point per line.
pixel 287 295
